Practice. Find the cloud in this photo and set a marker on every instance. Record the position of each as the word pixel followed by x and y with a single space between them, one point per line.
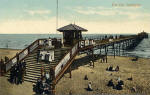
pixel 38 12
pixel 131 13
pixel 49 26
pixel 29 26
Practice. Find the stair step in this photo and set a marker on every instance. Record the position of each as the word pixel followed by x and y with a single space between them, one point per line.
pixel 31 80
pixel 38 74
pixel 29 60
pixel 38 66
pixel 31 76
pixel 34 70
pixel 31 57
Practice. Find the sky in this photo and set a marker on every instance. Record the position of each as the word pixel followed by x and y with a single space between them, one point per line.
pixel 97 16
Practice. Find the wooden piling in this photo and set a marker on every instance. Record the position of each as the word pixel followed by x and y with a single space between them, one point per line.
pixel 93 57
pixel 114 49
pixel 106 53
pixel 70 69
pixel 119 48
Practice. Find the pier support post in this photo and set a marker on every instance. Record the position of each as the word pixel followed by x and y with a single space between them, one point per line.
pixel 114 49
pixel 119 48
pixel 70 72
pixel 93 57
pixel 106 53
pixel 123 47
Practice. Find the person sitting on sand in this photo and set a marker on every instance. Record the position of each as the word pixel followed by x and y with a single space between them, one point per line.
pixel 130 78
pixel 118 79
pixel 110 68
pixel 119 87
pixel 89 87
pixel 85 78
pixel 117 69
pixel 120 84
pixel 107 68
pixel 110 83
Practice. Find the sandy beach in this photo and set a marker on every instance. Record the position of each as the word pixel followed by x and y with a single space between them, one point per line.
pixel 7 88
pixel 97 75
pixel 8 52
pixel 100 77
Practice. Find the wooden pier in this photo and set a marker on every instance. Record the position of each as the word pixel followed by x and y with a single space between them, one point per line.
pixel 65 53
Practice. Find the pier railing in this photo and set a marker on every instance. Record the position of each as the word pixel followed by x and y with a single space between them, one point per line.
pixel 66 61
pixel 25 52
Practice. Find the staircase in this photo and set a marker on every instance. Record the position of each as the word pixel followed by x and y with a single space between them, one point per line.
pixel 33 69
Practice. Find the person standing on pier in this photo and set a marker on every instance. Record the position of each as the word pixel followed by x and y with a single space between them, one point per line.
pixel 38 56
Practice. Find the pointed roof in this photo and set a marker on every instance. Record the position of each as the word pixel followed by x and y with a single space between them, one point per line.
pixel 71 27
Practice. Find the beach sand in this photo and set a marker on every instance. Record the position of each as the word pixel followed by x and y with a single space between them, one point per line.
pixel 8 52
pixel 100 77
pixel 97 75
pixel 7 88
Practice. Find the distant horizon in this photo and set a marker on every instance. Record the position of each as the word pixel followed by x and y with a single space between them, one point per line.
pixel 61 34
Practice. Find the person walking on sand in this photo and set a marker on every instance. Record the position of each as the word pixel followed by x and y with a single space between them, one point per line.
pixel 85 77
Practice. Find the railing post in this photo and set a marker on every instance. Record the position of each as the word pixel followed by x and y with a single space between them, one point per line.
pixel 38 42
pixel 17 56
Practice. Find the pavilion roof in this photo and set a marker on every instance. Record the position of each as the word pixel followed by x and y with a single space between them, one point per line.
pixel 71 27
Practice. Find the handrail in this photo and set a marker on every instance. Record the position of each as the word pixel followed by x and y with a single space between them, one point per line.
pixel 65 56
pixel 25 52
pixel 8 65
pixel 67 59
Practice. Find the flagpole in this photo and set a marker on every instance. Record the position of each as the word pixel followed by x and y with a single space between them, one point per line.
pixel 56 16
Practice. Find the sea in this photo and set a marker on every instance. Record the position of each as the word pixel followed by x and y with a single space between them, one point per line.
pixel 21 41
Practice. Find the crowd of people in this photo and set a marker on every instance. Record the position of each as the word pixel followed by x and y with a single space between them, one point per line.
pixel 43 85
pixel 111 68
pixel 2 63
pixel 119 85
pixel 17 73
